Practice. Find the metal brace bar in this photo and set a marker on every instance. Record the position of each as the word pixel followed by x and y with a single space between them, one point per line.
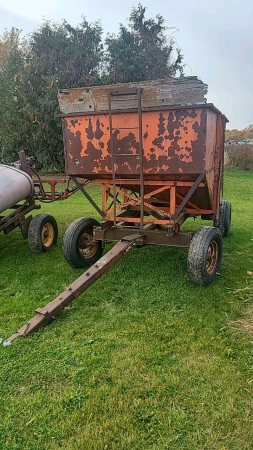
pixel 188 195
pixel 88 196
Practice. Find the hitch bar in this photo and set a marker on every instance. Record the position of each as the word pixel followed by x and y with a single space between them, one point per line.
pixel 54 308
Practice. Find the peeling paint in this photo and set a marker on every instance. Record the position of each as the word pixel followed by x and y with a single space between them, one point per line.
pixel 174 144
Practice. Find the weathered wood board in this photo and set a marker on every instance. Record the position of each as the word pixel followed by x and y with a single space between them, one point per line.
pixel 156 93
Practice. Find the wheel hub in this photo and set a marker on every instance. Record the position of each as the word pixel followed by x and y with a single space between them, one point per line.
pixel 87 246
pixel 47 234
pixel 212 257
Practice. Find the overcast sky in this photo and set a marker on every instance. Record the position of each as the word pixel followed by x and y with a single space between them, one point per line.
pixel 215 36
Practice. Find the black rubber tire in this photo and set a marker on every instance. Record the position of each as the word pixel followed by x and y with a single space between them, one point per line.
pixel 205 255
pixel 225 218
pixel 74 250
pixel 42 233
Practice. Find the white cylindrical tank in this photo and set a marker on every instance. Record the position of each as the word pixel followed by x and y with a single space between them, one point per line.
pixel 15 185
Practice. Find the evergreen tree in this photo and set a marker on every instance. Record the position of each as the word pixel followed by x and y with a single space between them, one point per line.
pixel 58 56
pixel 142 51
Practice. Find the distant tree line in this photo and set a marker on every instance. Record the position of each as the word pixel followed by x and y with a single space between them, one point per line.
pixel 245 133
pixel 56 56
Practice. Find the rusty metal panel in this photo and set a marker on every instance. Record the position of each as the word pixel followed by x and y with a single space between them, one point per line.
pixel 173 141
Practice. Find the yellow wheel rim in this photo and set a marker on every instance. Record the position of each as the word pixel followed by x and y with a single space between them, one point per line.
pixel 47 235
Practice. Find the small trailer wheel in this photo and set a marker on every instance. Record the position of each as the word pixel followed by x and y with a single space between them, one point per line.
pixel 79 248
pixel 42 233
pixel 205 255
pixel 225 218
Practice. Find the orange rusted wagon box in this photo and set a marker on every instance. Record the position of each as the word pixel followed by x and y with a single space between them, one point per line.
pixel 178 146
pixel 156 148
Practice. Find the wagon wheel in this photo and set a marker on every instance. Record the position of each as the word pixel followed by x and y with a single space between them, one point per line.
pixel 205 255
pixel 79 248
pixel 42 233
pixel 225 218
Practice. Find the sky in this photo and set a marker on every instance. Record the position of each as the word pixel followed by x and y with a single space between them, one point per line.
pixel 215 37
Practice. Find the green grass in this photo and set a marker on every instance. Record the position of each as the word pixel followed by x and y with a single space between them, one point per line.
pixel 143 359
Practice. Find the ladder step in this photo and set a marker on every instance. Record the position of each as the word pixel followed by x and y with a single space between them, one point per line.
pixel 123 91
pixel 127 154
pixel 126 128
pixel 138 157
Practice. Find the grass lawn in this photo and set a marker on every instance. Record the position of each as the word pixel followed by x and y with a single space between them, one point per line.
pixel 143 360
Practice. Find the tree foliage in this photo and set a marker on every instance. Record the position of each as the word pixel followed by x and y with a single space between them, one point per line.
pixel 234 134
pixel 8 42
pixel 71 55
pixel 57 56
pixel 249 132
pixel 245 133
pixel 142 51
pixel 14 123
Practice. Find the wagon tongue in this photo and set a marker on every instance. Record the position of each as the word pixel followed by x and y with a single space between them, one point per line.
pixel 54 308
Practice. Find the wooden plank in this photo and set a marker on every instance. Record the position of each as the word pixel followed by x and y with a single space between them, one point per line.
pixel 156 93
